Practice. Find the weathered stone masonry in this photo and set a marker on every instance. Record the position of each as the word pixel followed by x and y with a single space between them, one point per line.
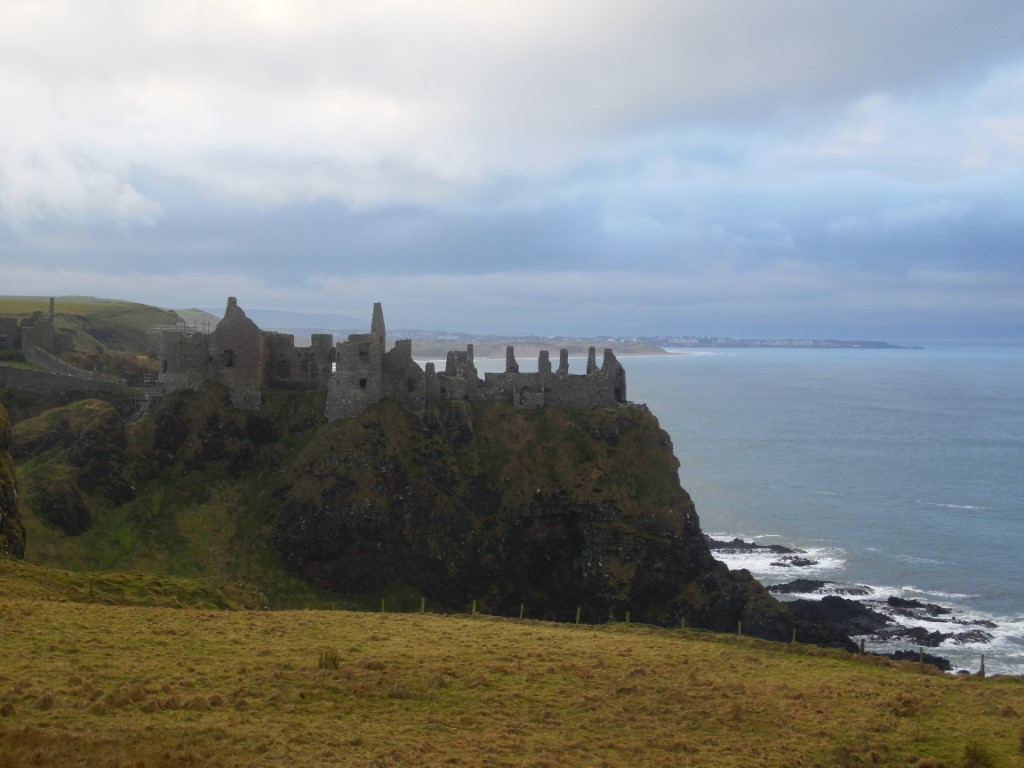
pixel 361 370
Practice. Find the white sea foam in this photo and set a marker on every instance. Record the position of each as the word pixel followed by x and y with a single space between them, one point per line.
pixel 917 592
pixel 1001 645
pixel 945 505
pixel 917 560
pixel 767 566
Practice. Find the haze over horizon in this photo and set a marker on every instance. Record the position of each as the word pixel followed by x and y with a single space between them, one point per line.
pixel 769 169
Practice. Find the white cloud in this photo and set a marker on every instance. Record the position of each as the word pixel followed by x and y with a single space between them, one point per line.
pixel 666 157
pixel 245 98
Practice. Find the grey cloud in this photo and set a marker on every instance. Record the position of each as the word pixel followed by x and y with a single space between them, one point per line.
pixel 674 164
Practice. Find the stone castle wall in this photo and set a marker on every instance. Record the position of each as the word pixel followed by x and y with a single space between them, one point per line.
pixel 46 382
pixel 244 358
pixel 10 333
pixel 360 371
pixel 46 361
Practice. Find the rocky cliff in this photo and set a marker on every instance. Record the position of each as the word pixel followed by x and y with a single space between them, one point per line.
pixel 555 509
pixel 12 531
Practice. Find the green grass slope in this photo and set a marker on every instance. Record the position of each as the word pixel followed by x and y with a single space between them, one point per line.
pixel 181 493
pixel 111 685
pixel 109 335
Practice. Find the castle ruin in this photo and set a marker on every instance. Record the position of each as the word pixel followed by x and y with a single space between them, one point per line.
pixel 360 371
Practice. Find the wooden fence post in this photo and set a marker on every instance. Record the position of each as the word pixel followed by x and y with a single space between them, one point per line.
pixel 578 609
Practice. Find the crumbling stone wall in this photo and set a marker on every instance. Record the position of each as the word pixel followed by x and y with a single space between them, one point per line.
pixel 47 382
pixel 40 331
pixel 236 351
pixel 48 362
pixel 10 333
pixel 360 371
pixel 358 381
pixel 184 360
pixel 404 380
pixel 600 387
pixel 291 367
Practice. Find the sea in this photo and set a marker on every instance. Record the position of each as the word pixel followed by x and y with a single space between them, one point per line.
pixel 900 471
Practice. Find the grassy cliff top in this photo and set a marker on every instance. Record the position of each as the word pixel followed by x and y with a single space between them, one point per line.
pixel 85 684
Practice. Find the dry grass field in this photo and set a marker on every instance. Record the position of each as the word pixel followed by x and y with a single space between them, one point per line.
pixel 101 684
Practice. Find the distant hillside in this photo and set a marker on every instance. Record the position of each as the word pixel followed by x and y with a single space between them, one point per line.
pixel 198 317
pixel 107 335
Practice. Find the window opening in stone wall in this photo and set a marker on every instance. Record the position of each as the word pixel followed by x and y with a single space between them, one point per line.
pixel 227 358
pixel 362 383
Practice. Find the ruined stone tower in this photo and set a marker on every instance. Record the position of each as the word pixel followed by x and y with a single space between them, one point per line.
pixel 361 371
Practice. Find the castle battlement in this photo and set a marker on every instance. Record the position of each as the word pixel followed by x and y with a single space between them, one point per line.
pixel 361 370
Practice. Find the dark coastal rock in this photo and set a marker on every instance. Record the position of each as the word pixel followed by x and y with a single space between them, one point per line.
pixel 972 636
pixel 793 561
pixel 917 656
pixel 814 586
pixel 832 620
pixel 916 608
pixel 912 635
pixel 931 639
pixel 738 546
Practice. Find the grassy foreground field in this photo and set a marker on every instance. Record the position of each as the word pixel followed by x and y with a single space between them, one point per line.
pixel 100 684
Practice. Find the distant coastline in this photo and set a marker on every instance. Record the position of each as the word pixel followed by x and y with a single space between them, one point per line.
pixel 493 347
pixel 718 342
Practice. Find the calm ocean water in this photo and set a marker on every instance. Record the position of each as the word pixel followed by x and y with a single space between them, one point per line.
pixel 902 470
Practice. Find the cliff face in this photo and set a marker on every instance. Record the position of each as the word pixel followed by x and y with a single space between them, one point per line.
pixel 555 508
pixel 81 461
pixel 12 531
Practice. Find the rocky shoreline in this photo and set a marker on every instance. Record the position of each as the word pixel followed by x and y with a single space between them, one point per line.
pixel 836 612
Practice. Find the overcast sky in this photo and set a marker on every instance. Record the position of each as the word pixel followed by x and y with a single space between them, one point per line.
pixel 809 168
